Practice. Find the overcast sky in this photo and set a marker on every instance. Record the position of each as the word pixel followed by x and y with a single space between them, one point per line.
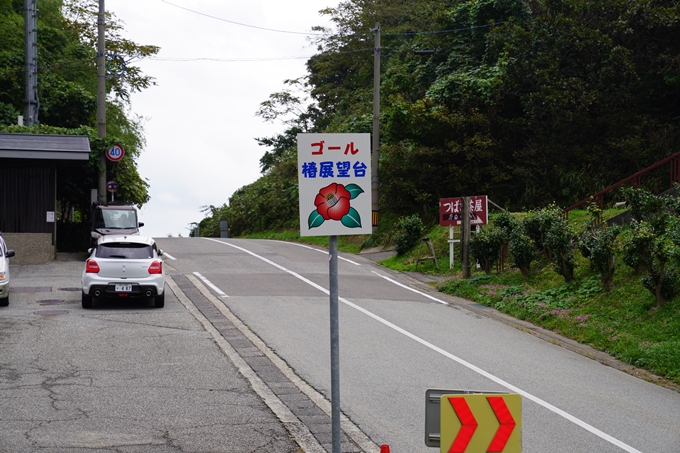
pixel 200 122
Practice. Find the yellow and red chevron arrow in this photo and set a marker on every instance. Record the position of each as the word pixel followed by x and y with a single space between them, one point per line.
pixel 481 423
pixel 507 424
pixel 468 422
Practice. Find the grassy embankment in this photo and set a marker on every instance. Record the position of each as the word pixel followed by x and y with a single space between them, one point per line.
pixel 623 322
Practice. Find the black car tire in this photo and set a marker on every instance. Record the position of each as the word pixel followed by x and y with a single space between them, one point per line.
pixel 159 301
pixel 87 301
pixel 4 302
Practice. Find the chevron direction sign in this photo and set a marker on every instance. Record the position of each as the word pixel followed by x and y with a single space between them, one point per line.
pixel 481 423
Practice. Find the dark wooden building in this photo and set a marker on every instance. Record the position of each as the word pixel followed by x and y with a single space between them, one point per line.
pixel 29 167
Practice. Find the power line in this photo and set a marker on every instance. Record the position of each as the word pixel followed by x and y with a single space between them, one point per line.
pixel 367 49
pixel 455 30
pixel 241 24
pixel 227 60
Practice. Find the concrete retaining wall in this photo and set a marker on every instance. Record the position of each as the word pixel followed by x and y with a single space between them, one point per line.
pixel 30 248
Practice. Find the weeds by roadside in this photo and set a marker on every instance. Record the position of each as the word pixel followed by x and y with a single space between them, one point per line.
pixel 624 322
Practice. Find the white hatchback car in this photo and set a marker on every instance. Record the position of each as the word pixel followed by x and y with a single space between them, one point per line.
pixel 124 266
pixel 5 255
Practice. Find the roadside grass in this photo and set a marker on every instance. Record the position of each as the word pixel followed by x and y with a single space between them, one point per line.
pixel 623 322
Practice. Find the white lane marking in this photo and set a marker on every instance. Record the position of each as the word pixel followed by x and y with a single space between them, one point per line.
pixel 465 363
pixel 367 445
pixel 316 250
pixel 207 282
pixel 411 289
pixel 169 256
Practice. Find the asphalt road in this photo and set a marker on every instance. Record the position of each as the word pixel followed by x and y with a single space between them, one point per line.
pixel 396 343
pixel 238 361
pixel 123 377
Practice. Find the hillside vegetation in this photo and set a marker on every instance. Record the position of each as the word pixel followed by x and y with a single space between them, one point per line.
pixel 528 102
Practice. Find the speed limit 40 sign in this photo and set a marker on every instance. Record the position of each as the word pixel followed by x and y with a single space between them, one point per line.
pixel 115 153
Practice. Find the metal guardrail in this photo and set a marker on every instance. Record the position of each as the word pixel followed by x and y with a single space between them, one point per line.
pixel 674 160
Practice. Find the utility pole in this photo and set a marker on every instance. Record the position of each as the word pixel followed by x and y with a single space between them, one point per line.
pixel 31 42
pixel 101 97
pixel 375 156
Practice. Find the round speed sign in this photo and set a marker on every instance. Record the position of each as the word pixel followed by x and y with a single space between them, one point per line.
pixel 115 153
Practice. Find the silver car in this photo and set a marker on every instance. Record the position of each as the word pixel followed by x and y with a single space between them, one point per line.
pixel 124 266
pixel 5 255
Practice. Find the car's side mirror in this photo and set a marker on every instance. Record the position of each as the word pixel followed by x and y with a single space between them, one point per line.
pixel 160 252
pixel 89 251
pixel 9 254
pixel 141 224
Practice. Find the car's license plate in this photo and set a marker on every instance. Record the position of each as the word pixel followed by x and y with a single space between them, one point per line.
pixel 123 288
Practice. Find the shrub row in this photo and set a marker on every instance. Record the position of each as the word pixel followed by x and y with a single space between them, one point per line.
pixel 650 244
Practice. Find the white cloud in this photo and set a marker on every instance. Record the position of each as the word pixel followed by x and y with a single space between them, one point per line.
pixel 201 124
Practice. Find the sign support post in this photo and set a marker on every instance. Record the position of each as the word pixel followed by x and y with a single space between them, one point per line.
pixel 335 343
pixel 451 248
pixel 334 173
pixel 111 186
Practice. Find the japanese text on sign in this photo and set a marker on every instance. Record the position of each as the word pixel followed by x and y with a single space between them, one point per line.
pixel 333 169
pixel 349 148
pixel 451 211
pixel 326 169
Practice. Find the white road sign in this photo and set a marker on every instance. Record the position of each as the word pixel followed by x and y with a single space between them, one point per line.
pixel 334 177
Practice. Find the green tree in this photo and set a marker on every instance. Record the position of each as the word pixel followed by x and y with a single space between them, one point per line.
pixel 486 247
pixel 530 103
pixel 210 225
pixel 599 244
pixel 67 92
pixel 409 231
pixel 653 242
pixel 522 250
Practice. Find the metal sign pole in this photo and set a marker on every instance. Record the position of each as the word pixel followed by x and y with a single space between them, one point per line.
pixel 335 343
pixel 451 247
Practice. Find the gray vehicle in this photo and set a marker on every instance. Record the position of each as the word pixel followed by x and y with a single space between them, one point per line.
pixel 114 219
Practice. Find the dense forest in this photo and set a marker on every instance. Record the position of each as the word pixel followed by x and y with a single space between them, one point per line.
pixel 528 102
pixel 67 92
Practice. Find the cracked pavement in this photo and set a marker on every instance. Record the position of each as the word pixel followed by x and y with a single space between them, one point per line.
pixel 123 377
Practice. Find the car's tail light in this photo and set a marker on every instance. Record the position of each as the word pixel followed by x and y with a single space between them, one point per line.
pixel 91 267
pixel 156 267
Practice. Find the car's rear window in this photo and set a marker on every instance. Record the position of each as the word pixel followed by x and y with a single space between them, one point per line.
pixel 129 250
pixel 115 218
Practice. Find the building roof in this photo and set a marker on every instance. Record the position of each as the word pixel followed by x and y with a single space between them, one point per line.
pixel 46 147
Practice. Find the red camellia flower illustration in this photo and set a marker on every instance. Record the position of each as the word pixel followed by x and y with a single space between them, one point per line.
pixel 332 202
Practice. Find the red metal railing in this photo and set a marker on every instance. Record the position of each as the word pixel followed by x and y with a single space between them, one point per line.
pixel 674 160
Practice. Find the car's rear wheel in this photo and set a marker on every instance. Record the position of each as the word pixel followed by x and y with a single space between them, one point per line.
pixel 86 300
pixel 4 302
pixel 159 301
